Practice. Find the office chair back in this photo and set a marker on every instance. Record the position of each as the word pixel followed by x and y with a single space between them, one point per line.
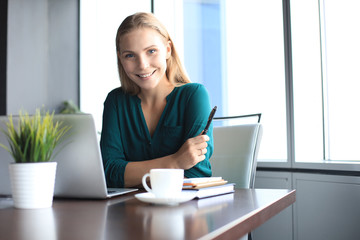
pixel 235 153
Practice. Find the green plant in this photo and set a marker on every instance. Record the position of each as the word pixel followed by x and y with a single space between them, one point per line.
pixel 35 137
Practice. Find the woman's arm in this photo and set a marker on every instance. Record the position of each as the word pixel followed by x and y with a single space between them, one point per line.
pixel 112 149
pixel 197 113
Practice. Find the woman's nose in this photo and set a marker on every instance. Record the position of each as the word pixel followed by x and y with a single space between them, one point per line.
pixel 143 62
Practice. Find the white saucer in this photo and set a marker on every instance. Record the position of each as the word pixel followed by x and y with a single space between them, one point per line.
pixel 150 198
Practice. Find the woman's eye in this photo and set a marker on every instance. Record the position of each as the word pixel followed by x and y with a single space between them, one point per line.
pixel 151 51
pixel 129 55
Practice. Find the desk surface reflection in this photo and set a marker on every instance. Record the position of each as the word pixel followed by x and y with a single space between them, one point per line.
pixel 228 216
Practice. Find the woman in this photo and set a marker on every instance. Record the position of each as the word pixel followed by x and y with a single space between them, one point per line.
pixel 155 119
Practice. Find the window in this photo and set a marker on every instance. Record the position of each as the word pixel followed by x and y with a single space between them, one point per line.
pixel 307 88
pixel 235 48
pixel 326 79
pixel 99 21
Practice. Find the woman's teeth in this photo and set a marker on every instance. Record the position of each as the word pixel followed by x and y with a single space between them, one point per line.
pixel 145 75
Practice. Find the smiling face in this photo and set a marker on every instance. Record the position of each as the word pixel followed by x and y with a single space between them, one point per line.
pixel 143 54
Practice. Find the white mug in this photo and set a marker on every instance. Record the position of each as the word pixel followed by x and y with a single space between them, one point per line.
pixel 165 183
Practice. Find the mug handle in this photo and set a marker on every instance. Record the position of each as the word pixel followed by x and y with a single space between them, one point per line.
pixel 144 182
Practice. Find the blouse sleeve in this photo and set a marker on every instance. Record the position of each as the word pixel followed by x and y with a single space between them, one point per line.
pixel 111 145
pixel 197 113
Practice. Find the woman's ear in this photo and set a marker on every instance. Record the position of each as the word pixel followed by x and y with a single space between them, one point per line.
pixel 168 49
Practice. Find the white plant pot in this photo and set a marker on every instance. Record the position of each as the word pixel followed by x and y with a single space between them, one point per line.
pixel 32 184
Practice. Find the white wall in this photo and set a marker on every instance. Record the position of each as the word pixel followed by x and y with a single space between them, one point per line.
pixel 42 54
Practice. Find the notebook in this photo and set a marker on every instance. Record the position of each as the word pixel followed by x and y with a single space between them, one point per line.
pixel 203 182
pixel 80 172
pixel 212 191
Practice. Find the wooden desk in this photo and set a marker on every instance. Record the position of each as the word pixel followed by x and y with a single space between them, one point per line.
pixel 227 216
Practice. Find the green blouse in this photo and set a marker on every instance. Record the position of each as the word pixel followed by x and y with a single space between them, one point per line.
pixel 125 137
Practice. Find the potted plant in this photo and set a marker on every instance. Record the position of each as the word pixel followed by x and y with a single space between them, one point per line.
pixel 32 142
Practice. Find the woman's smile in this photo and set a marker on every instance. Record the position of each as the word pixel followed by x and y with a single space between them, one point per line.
pixel 146 75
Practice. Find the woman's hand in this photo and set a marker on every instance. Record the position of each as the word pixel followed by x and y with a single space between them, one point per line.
pixel 191 152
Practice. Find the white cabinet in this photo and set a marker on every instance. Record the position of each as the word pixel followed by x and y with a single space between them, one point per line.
pixel 326 207
pixel 279 227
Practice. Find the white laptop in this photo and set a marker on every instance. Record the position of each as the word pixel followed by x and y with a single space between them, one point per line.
pixel 80 172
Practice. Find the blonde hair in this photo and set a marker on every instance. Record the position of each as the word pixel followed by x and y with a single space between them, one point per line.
pixel 174 69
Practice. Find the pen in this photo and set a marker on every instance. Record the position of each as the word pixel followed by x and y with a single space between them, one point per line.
pixel 211 116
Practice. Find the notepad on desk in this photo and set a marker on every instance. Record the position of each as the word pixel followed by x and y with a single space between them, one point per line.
pixel 207 187
pixel 197 183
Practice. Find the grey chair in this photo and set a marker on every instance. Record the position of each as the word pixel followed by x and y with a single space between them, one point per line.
pixel 235 153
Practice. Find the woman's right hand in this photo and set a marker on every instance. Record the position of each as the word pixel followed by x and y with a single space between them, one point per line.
pixel 191 152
